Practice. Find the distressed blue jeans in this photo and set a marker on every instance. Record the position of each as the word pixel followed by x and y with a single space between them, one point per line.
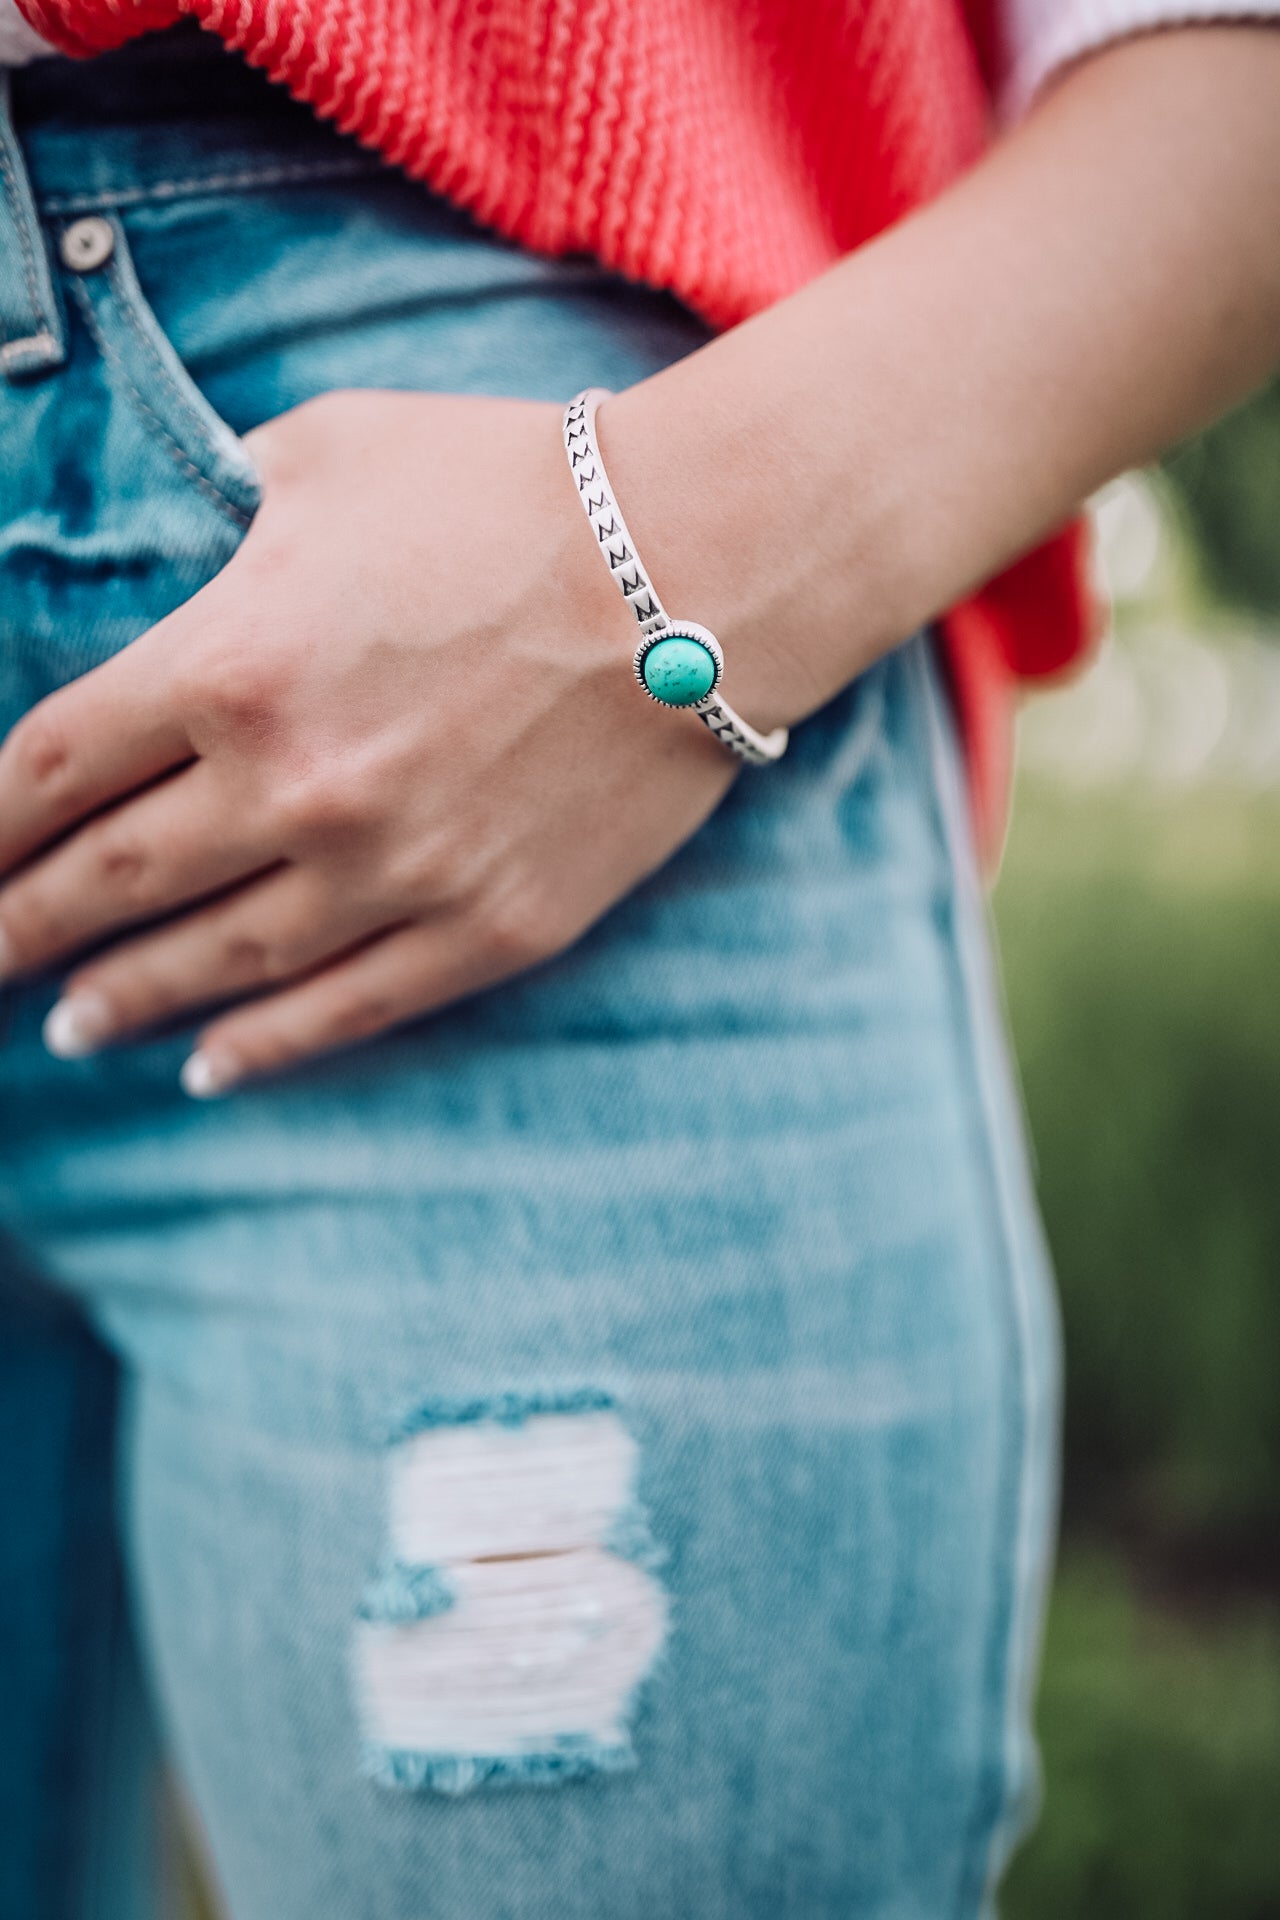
pixel 588 1455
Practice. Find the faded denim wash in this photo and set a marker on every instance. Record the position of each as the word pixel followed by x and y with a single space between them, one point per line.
pixel 696 1277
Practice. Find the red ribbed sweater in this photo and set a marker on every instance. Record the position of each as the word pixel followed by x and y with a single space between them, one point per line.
pixel 726 149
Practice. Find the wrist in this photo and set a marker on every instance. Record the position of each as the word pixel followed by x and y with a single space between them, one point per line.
pixel 699 519
pixel 716 474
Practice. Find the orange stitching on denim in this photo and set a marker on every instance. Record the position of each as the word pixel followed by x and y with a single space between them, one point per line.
pixel 30 274
pixel 174 448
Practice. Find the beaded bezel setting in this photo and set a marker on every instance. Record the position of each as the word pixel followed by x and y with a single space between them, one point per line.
pixel 680 630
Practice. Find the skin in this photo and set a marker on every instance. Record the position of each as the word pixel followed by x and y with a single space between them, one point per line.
pixel 365 778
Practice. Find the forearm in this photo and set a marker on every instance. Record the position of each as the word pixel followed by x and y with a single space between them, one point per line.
pixel 821 480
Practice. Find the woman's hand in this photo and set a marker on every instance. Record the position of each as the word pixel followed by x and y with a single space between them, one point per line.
pixel 392 754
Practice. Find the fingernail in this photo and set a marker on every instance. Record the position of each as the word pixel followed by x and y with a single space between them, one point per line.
pixel 205 1075
pixel 77 1025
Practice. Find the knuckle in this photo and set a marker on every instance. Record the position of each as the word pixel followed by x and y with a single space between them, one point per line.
pixel 250 957
pixel 518 930
pixel 321 806
pixel 244 956
pixel 234 691
pixel 460 874
pixel 42 750
pixel 420 871
pixel 124 866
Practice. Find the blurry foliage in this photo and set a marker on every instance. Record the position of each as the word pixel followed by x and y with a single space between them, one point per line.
pixel 1140 933
pixel 1140 938
pixel 1227 482
pixel 1161 1738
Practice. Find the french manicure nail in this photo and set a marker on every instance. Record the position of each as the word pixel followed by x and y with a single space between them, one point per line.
pixel 205 1075
pixel 77 1025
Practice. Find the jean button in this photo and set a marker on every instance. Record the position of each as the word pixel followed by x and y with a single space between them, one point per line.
pixel 87 244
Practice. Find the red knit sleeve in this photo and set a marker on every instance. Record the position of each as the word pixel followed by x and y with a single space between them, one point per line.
pixel 1036 619
pixel 85 27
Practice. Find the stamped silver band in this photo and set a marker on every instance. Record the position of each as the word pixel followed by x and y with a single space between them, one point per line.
pixel 619 550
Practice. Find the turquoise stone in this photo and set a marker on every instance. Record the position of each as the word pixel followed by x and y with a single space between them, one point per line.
pixel 679 671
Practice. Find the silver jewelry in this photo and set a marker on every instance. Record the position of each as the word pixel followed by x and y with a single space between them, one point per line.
pixel 678 663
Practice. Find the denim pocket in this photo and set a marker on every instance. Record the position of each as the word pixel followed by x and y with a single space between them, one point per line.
pixel 171 407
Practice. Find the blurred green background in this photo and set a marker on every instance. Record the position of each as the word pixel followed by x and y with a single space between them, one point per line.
pixel 1139 919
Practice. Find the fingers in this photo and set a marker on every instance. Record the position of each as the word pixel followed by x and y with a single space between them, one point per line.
pixel 101 737
pixel 276 928
pixel 167 846
pixel 396 977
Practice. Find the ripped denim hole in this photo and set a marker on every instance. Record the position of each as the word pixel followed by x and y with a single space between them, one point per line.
pixel 516 1614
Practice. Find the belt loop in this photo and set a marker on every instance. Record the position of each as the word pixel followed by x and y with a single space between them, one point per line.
pixel 32 330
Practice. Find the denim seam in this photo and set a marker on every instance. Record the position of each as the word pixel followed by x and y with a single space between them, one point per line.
pixel 277 176
pixel 120 287
pixel 1027 1606
pixel 173 447
pixel 17 213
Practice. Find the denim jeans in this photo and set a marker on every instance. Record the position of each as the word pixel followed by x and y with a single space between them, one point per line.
pixel 588 1455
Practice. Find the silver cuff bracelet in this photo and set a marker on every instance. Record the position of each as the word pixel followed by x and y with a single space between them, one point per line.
pixel 677 662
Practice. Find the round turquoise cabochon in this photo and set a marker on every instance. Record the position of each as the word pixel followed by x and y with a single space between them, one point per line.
pixel 678 671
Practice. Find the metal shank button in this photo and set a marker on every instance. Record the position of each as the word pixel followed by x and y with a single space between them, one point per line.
pixel 87 244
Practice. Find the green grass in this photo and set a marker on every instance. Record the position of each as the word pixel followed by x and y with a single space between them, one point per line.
pixel 1141 945
pixel 1227 481
pixel 1161 1739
